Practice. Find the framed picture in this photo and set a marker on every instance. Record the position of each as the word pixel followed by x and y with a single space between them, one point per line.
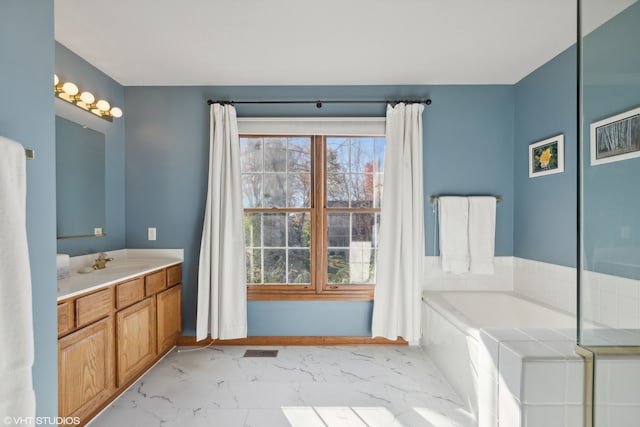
pixel 546 156
pixel 616 138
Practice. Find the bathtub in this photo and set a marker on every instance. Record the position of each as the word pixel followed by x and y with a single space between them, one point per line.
pixel 455 325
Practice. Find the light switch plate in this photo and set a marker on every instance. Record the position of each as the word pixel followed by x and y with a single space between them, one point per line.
pixel 151 233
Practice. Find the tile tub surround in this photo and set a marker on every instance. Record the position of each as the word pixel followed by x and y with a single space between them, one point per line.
pixel 612 301
pixel 607 300
pixel 551 284
pixel 617 393
pixel 437 280
pixel 465 341
pixel 375 386
pixel 533 376
pixel 127 263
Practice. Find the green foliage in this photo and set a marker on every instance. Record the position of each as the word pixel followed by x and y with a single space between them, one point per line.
pixel 338 269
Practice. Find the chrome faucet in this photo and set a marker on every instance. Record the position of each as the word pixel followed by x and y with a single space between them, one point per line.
pixel 101 261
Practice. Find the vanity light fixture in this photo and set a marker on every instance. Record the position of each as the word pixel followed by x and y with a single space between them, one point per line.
pixel 85 100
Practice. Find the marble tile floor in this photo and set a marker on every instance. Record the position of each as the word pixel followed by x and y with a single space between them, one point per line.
pixel 365 386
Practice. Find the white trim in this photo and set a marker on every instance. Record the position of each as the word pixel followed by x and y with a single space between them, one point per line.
pixel 343 126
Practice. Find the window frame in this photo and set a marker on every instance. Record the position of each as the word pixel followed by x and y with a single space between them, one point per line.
pixel 319 288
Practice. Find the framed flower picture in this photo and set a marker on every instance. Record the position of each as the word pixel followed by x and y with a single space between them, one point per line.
pixel 547 156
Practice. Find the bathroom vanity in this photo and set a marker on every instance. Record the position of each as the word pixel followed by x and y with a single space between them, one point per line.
pixel 113 325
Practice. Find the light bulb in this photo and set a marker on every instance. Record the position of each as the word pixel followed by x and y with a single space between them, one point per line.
pixel 87 97
pixel 103 105
pixel 116 112
pixel 70 88
pixel 56 80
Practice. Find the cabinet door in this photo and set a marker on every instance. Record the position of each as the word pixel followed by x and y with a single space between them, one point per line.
pixel 169 318
pixel 136 338
pixel 86 369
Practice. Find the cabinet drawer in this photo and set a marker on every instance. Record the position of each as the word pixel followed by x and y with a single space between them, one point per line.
pixel 155 282
pixel 129 293
pixel 93 307
pixel 65 317
pixel 174 275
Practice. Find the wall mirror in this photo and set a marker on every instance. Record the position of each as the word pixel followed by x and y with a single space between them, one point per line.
pixel 80 180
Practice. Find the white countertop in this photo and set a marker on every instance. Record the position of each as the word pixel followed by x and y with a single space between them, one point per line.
pixel 126 264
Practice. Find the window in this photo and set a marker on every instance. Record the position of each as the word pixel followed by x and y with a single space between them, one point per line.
pixel 312 215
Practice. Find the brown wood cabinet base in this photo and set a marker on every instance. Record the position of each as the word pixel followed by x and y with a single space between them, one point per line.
pixel 108 338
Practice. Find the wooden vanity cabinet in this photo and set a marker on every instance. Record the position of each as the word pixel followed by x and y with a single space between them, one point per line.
pixel 136 333
pixel 86 369
pixel 169 318
pixel 108 338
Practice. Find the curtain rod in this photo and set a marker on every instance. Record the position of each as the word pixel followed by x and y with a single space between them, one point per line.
pixel 319 103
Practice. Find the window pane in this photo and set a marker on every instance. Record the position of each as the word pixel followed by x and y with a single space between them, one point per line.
pixel 276 173
pixel 275 265
pixel 338 190
pixel 362 155
pixel 379 144
pixel 251 190
pixel 254 265
pixel 299 233
pixel 274 227
pixel 299 155
pixel 337 155
pixel 338 228
pixel 378 185
pixel 275 186
pixel 361 263
pixel 299 266
pixel 275 154
pixel 278 247
pixel 251 154
pixel 363 227
pixel 352 244
pixel 252 230
pixel 361 190
pixel 299 190
pixel 338 266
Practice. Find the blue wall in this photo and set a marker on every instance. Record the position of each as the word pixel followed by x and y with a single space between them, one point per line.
pixel 545 213
pixel 27 116
pixel 468 149
pixel 70 67
pixel 611 198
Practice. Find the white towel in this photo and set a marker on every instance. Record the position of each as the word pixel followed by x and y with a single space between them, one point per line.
pixel 17 398
pixel 454 238
pixel 482 232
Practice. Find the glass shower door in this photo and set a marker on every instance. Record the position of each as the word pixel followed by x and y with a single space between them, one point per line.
pixel 609 276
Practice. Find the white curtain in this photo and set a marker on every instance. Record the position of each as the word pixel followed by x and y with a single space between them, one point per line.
pixel 222 293
pixel 396 308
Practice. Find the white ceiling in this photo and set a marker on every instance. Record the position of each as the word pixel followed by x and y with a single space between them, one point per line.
pixel 320 42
